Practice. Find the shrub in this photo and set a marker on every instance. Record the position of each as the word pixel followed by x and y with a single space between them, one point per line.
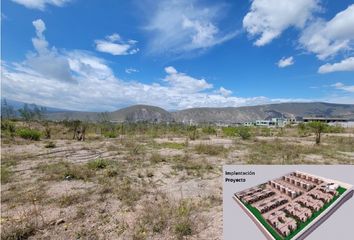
pixel 25 227
pixel 110 134
pixel 50 145
pixel 192 132
pixel 303 130
pixel 334 129
pixel 65 171
pixel 172 145
pixel 128 193
pixel 209 149
pixel 30 134
pixel 164 215
pixel 47 132
pixel 183 226
pixel 244 133
pixel 229 131
pixel 156 158
pixel 97 164
pixel 8 126
pixel 5 174
pixel 209 130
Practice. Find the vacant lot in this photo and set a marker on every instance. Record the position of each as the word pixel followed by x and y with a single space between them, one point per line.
pixel 148 183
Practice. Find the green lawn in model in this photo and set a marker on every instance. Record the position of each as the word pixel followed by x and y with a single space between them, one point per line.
pixel 300 225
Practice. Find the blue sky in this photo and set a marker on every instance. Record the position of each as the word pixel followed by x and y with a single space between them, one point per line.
pixel 104 55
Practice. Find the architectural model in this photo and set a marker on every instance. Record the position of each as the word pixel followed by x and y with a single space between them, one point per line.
pixel 292 206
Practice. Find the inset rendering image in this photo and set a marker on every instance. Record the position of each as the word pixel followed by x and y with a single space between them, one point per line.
pixel 293 205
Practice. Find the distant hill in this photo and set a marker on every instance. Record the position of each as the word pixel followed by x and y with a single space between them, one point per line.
pixel 244 114
pixel 138 113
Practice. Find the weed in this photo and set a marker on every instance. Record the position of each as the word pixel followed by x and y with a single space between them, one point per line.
pixel 183 225
pixel 156 158
pixel 65 171
pixel 110 134
pixel 8 127
pixel 128 193
pixel 71 199
pixel 50 145
pixel 209 149
pixel 5 174
pixel 172 145
pixel 97 164
pixel 23 227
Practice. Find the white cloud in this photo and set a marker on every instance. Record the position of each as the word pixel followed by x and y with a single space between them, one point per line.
pixel 46 77
pixel 46 61
pixel 41 4
pixel 267 19
pixel 224 92
pixel 345 65
pixel 285 62
pixel 131 70
pixel 115 45
pixel 346 88
pixel 182 26
pixel 326 39
pixel 183 83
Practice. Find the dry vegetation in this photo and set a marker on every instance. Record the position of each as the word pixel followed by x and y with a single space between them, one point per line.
pixel 137 181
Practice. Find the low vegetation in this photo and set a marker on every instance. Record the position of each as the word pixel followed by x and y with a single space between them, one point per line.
pixel 209 149
pixel 137 180
pixel 65 171
pixel 30 134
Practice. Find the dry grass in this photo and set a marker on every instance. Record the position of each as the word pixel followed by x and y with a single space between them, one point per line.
pixel 163 216
pixel 65 171
pixel 209 149
pixel 129 187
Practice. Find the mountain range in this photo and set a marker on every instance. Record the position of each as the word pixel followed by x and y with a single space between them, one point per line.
pixel 138 113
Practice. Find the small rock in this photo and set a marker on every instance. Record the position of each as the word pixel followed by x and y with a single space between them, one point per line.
pixel 60 221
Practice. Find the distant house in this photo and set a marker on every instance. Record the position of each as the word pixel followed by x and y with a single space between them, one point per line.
pixel 248 124
pixel 273 122
pixel 325 119
pixel 263 123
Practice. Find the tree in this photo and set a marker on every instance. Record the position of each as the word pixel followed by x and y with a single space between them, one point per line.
pixel 104 117
pixel 39 112
pixel 31 112
pixel 7 111
pixel 317 128
pixel 26 112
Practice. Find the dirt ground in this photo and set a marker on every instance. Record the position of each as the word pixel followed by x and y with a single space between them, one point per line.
pixel 136 187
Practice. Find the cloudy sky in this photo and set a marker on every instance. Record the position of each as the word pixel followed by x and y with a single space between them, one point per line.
pixel 103 55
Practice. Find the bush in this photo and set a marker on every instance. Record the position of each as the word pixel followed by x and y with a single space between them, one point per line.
pixel 128 193
pixel 209 130
pixel 8 127
pixel 192 132
pixel 156 158
pixel 244 133
pixel 334 129
pixel 50 145
pixel 172 145
pixel 110 134
pixel 183 226
pixel 30 134
pixel 65 171
pixel 229 131
pixel 209 149
pixel 97 164
pixel 5 174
